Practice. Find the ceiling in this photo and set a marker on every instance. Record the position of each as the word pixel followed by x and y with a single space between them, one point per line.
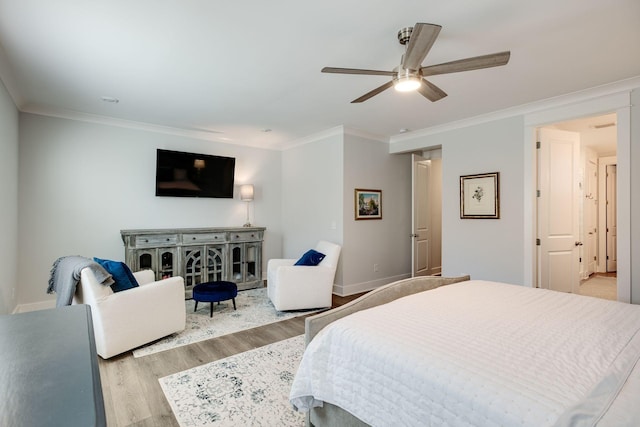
pixel 248 72
pixel 598 133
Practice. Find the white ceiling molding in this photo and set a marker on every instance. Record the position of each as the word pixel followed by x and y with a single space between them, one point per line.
pixel 597 104
pixel 338 130
pixel 123 123
pixel 367 135
pixel 534 111
pixel 398 143
pixel 7 78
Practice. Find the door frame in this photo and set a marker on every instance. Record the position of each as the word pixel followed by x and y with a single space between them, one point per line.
pixel 611 265
pixel 415 161
pixel 602 216
pixel 557 250
pixel 591 226
pixel 619 103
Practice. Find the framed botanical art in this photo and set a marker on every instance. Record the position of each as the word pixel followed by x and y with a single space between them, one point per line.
pixel 480 196
pixel 368 204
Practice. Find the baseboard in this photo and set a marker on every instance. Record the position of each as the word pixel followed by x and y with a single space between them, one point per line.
pixel 35 306
pixel 356 288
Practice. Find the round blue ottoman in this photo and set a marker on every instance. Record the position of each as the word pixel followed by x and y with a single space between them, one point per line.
pixel 215 292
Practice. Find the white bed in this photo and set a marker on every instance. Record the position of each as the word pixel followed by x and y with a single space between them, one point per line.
pixel 476 353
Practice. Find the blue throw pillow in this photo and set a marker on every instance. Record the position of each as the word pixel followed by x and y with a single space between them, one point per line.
pixel 122 276
pixel 311 257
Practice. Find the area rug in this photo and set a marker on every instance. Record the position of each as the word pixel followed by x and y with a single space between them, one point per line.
pixel 253 309
pixel 247 389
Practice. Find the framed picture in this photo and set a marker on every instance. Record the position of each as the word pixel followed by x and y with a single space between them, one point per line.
pixel 368 204
pixel 480 196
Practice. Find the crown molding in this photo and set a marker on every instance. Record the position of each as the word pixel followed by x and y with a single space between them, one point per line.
pixel 626 85
pixel 123 123
pixel 188 133
pixel 397 143
pixel 366 135
pixel 8 80
pixel 338 130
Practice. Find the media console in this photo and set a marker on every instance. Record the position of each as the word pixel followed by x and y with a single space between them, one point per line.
pixel 198 254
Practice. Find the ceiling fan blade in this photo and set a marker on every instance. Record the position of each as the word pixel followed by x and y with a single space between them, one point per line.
pixel 468 64
pixel 373 92
pixel 357 71
pixel 422 38
pixel 430 91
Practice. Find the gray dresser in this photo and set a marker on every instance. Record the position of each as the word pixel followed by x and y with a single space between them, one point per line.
pixel 198 254
pixel 49 369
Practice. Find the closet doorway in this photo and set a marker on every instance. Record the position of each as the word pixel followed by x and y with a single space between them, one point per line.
pixel 596 243
pixel 426 229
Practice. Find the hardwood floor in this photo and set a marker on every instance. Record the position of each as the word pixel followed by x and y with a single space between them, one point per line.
pixel 132 393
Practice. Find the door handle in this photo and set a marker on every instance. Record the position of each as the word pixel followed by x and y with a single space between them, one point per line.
pixel 413 235
pixel 578 243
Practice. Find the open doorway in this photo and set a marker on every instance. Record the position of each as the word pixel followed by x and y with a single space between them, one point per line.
pixel 426 229
pixel 595 232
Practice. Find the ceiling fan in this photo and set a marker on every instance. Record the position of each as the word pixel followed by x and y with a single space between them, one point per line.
pixel 409 75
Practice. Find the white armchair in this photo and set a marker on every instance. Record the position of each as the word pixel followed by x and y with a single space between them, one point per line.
pixel 128 319
pixel 297 287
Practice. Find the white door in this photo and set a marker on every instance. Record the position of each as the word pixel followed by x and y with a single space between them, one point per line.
pixel 421 229
pixel 590 204
pixel 612 232
pixel 558 210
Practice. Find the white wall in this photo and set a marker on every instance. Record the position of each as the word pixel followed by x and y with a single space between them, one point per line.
pixel 312 176
pixel 466 249
pixel 435 190
pixel 489 249
pixel 81 183
pixel 484 248
pixel 8 201
pixel 385 242
pixel 318 183
pixel 635 197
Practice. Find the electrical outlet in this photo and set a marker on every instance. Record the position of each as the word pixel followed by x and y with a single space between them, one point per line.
pixel 375 268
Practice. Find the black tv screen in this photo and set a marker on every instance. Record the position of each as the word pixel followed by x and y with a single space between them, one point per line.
pixel 180 174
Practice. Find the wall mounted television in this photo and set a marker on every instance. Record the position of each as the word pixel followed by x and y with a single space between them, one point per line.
pixel 181 174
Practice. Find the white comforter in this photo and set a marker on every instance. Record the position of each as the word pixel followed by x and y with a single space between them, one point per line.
pixel 477 354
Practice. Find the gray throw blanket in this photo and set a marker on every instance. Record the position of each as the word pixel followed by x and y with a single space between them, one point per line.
pixel 65 275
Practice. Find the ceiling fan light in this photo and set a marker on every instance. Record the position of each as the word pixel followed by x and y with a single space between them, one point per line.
pixel 406 80
pixel 406 84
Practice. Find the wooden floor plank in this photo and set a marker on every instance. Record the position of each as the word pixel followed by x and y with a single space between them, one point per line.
pixel 127 394
pixel 106 393
pixel 151 369
pixel 132 393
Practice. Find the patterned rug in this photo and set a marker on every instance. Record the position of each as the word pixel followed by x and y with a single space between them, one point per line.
pixel 253 309
pixel 248 389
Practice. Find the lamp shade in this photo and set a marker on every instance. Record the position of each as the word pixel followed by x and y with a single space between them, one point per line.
pixel 246 192
pixel 198 163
